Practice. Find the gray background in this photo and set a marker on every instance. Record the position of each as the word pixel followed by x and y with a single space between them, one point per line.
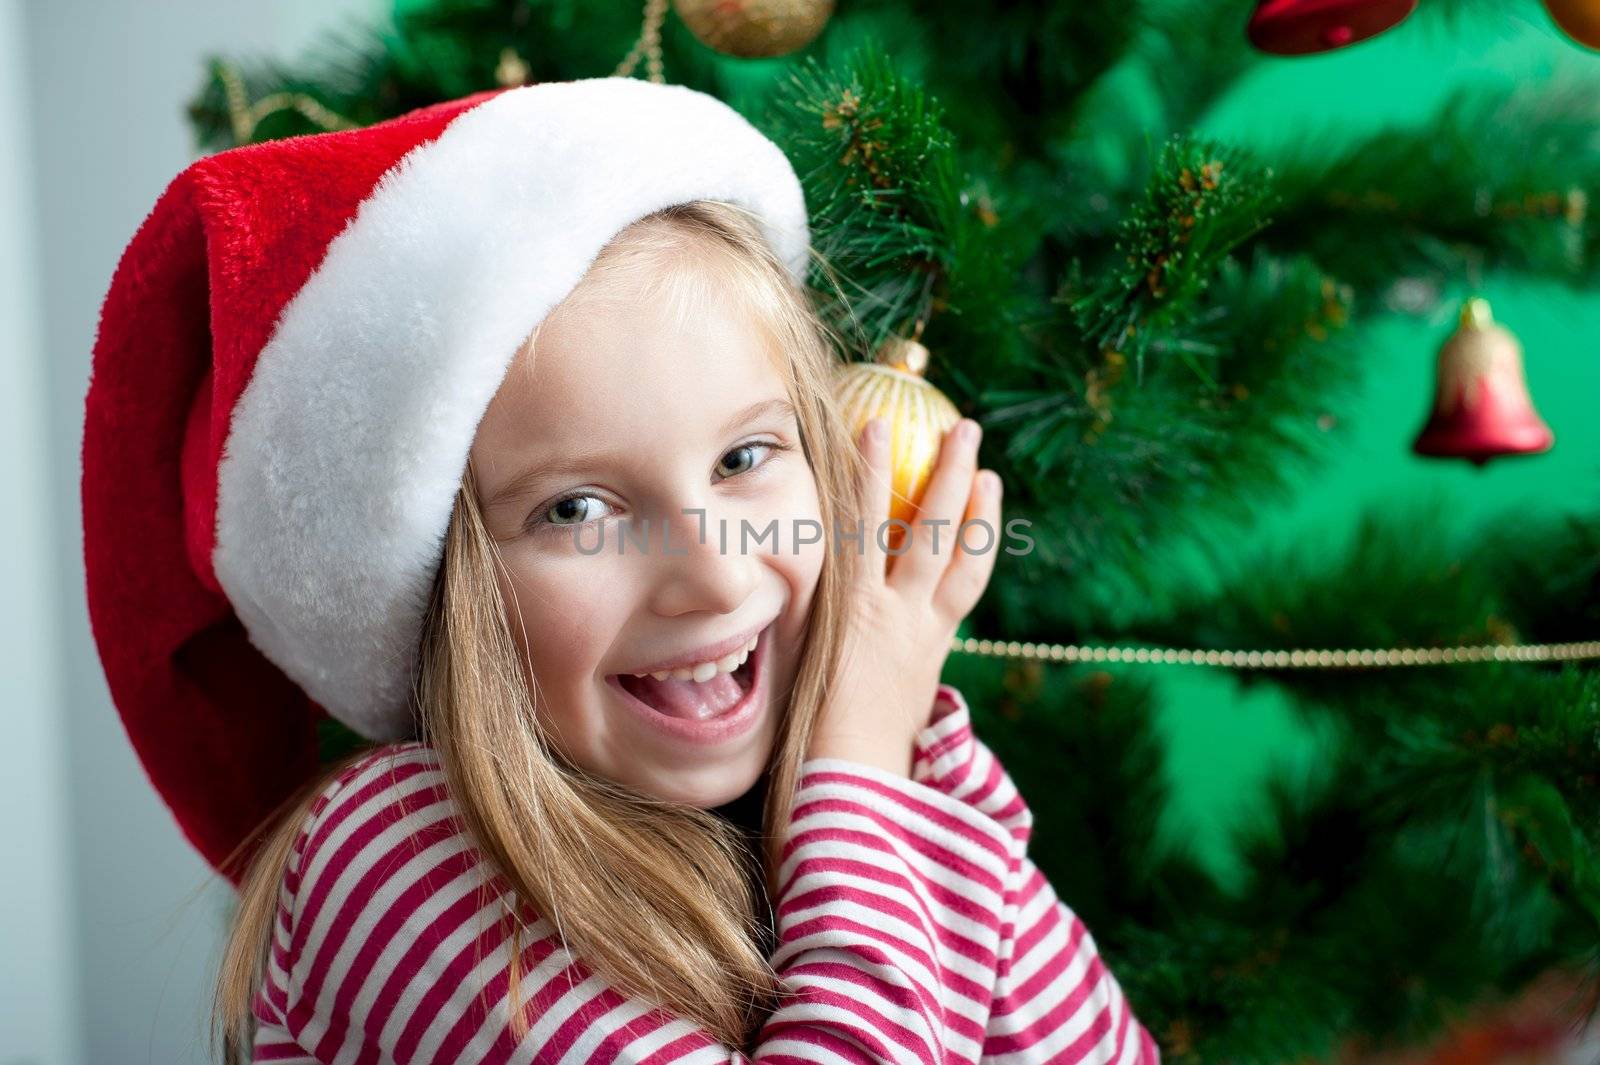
pixel 110 923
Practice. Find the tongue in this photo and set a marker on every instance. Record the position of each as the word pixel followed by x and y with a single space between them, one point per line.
pixel 695 700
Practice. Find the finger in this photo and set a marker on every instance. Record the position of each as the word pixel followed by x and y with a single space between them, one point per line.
pixel 875 488
pixel 944 499
pixel 973 557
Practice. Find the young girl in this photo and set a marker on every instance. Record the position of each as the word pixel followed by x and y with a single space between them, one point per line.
pixel 673 777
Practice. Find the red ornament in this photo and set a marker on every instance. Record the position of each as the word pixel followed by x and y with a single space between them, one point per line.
pixel 1481 408
pixel 1301 27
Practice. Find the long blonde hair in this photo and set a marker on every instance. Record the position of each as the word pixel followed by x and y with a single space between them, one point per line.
pixel 663 900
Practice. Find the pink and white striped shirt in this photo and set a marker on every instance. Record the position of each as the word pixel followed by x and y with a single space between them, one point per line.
pixel 912 927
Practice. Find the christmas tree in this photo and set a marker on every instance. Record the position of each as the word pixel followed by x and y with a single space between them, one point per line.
pixel 1156 328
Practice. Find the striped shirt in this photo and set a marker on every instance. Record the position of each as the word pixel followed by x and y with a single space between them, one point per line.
pixel 911 927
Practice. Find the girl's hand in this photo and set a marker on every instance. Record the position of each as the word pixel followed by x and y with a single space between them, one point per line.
pixel 909 605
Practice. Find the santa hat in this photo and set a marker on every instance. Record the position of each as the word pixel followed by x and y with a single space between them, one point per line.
pixel 292 361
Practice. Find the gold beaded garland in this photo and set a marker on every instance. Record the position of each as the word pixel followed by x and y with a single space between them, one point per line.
pixel 244 116
pixel 1300 658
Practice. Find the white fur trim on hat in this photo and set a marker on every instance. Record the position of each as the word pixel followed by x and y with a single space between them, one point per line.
pixel 346 448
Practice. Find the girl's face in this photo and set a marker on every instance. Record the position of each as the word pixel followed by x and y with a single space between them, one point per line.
pixel 592 461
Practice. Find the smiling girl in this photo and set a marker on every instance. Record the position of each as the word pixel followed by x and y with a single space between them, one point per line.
pixel 701 798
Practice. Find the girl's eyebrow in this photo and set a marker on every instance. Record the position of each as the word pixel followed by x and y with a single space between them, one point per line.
pixel 570 463
pixel 577 462
pixel 778 405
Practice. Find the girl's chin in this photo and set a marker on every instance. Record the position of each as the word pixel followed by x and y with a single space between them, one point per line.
pixel 707 789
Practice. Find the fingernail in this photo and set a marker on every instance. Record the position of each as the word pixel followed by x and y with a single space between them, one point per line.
pixel 876 429
pixel 991 483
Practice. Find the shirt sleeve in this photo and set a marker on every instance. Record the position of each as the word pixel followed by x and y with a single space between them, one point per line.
pixel 1054 999
pixel 389 947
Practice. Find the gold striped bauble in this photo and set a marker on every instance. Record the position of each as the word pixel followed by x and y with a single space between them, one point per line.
pixel 892 387
pixel 755 29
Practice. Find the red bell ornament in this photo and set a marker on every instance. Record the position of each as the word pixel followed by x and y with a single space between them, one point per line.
pixel 1481 407
pixel 1302 27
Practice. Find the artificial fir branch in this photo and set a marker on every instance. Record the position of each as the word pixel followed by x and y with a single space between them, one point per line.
pixel 1417 584
pixel 1190 54
pixel 1490 182
pixel 428 52
pixel 1038 56
pixel 1191 51
pixel 1203 199
pixel 1545 570
pixel 878 168
pixel 1361 912
pixel 1446 857
pixel 1108 470
pixel 1413 577
pixel 900 235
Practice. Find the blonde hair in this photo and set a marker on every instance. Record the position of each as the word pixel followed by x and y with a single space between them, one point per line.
pixel 662 900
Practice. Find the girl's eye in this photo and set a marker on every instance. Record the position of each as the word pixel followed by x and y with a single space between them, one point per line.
pixel 746 450
pixel 565 513
pixel 577 509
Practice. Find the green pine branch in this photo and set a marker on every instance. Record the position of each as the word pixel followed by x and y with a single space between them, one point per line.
pixel 1419 584
pixel 1490 183
pixel 901 236
pixel 1202 201
pixel 1108 469
pixel 878 169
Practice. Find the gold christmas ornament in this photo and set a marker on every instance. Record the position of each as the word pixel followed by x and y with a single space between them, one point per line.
pixel 918 414
pixel 512 70
pixel 755 29
pixel 1578 19
pixel 245 116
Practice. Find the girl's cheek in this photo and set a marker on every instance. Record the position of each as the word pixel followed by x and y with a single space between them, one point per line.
pixel 803 537
pixel 567 625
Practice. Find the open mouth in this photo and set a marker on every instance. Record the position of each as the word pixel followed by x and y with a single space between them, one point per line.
pixel 693 700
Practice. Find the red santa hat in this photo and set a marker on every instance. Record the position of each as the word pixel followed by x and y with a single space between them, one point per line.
pixel 293 358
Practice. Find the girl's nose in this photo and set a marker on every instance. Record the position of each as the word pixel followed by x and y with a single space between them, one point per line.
pixel 716 575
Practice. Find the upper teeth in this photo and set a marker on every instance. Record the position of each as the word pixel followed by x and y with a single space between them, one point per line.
pixel 706 670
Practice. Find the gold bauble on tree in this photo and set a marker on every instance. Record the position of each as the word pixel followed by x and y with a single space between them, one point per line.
pixel 755 29
pixel 512 70
pixel 1579 19
pixel 918 414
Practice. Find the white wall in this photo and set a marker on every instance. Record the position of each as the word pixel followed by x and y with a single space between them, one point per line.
pixel 37 944
pixel 110 923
